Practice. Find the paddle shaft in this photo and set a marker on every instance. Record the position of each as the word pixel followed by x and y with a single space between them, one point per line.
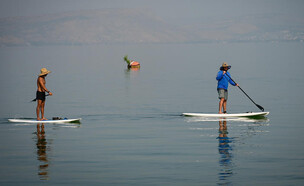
pixel 259 106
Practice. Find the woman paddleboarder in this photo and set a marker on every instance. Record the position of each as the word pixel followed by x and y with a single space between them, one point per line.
pixel 40 94
pixel 223 77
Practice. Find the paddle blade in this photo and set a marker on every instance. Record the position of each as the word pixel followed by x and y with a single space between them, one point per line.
pixel 260 107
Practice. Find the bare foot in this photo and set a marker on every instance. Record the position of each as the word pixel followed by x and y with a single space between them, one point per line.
pixel 43 119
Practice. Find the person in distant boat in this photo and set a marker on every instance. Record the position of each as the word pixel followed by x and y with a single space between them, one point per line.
pixel 131 63
pixel 223 77
pixel 40 94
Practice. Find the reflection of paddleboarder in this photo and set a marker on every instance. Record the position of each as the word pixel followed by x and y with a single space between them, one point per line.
pixel 40 94
pixel 222 86
pixel 42 152
pixel 225 152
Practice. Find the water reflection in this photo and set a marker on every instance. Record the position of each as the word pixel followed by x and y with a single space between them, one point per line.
pixel 225 152
pixel 131 72
pixel 240 119
pixel 42 153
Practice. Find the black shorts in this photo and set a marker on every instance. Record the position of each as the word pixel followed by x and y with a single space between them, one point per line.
pixel 40 96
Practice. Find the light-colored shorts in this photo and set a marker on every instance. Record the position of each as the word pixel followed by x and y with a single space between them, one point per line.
pixel 222 93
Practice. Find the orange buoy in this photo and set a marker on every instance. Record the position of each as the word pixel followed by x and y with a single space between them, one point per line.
pixel 134 63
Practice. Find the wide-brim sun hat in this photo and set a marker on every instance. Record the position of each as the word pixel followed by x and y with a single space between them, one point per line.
pixel 44 71
pixel 224 65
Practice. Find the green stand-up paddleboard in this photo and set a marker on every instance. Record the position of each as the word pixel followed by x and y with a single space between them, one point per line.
pixel 247 114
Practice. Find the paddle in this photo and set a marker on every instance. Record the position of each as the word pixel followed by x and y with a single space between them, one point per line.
pixel 259 106
pixel 36 99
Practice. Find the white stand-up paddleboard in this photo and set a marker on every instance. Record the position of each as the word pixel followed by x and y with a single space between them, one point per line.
pixel 77 120
pixel 247 114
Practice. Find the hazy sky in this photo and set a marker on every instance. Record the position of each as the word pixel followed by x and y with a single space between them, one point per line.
pixel 170 10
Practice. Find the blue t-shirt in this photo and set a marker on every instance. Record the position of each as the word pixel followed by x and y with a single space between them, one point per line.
pixel 223 80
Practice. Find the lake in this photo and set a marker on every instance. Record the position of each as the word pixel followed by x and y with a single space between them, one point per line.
pixel 132 131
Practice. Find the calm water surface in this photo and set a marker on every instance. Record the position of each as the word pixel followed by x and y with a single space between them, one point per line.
pixel 132 131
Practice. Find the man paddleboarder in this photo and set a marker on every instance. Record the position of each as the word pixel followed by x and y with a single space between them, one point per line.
pixel 40 94
pixel 223 77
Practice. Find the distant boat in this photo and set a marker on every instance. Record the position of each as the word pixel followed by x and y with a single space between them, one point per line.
pixel 134 64
pixel 131 63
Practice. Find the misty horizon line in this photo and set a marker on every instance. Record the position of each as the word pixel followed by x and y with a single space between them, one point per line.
pixel 137 26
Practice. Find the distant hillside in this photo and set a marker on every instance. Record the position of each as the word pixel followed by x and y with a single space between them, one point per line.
pixel 88 27
pixel 138 26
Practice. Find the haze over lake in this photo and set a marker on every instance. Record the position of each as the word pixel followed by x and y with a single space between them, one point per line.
pixel 94 22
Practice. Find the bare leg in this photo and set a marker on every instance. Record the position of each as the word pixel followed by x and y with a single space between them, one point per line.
pixel 42 110
pixel 221 104
pixel 39 102
pixel 225 106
